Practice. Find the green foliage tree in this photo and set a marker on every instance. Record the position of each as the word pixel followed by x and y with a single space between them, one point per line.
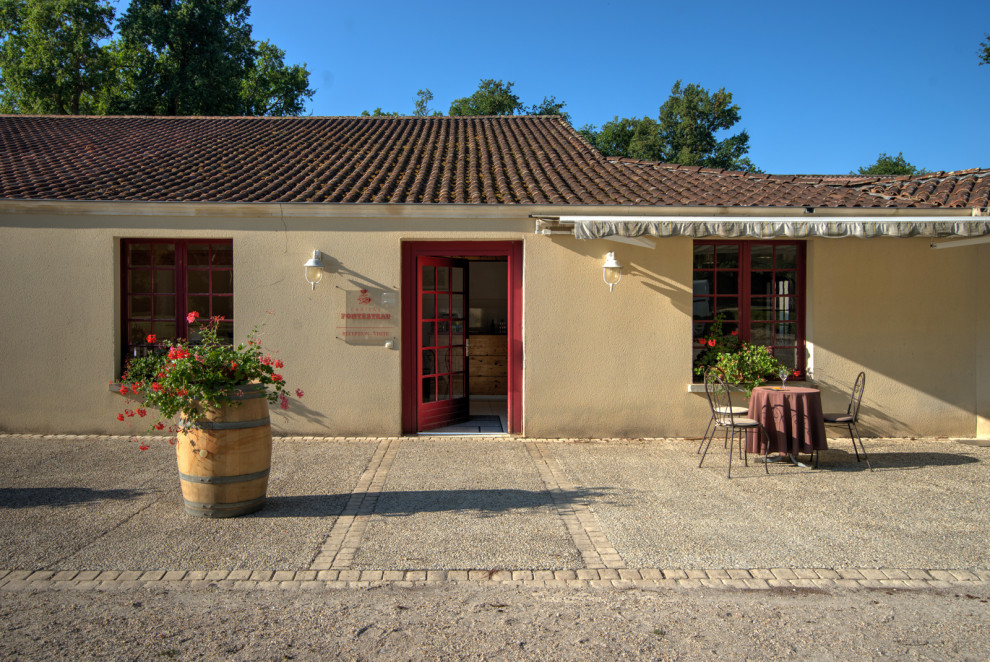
pixel 422 106
pixel 493 97
pixel 891 165
pixel 270 87
pixel 52 59
pixel 685 132
pixel 378 112
pixel 984 53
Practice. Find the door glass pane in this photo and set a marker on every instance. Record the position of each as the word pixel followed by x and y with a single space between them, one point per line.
pixel 165 329
pixel 443 279
pixel 225 331
pixel 429 389
pixel 458 382
pixel 704 282
pixel 429 334
pixel 429 278
pixel 429 306
pixel 429 362
pixel 443 333
pixel 704 257
pixel 761 257
pixel 457 337
pixel 457 309
pixel 444 363
pixel 443 388
pixel 457 360
pixel 457 280
pixel 137 332
pixel 443 305
pixel 785 308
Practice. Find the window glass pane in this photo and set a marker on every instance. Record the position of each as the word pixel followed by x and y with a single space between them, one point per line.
pixel 223 306
pixel 429 389
pixel 727 282
pixel 787 257
pixel 164 307
pixel 443 388
pixel 704 282
pixel 223 282
pixel 163 254
pixel 760 334
pixel 761 282
pixel 225 331
pixel 223 255
pixel 458 381
pixel 164 280
pixel 786 282
pixel 140 281
pixel 727 257
pixel 786 334
pixel 785 308
pixel 704 257
pixel 200 303
pixel 138 332
pixel 139 306
pixel 164 330
pixel 759 309
pixel 787 356
pixel 429 362
pixel 761 256
pixel 429 278
pixel 429 334
pixel 139 255
pixel 429 306
pixel 198 255
pixel 443 279
pixel 198 281
pixel 457 283
pixel 728 307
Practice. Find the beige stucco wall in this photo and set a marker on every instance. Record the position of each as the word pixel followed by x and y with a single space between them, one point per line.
pixel 596 364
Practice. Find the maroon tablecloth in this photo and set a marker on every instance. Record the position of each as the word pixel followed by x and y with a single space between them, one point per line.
pixel 792 417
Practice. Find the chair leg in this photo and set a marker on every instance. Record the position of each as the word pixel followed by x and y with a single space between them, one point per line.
pixel 732 440
pixel 853 428
pixel 707 445
pixel 853 438
pixel 766 455
pixel 708 430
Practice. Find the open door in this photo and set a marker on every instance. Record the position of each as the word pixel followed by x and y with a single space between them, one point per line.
pixel 442 329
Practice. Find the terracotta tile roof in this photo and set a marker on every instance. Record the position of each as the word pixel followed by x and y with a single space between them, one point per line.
pixel 471 160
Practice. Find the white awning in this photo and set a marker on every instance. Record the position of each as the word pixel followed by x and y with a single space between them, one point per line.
pixel 591 227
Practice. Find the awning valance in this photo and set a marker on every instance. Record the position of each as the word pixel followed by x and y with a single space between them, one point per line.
pixel 764 228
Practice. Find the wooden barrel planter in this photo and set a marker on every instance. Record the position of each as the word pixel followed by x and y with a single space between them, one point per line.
pixel 224 458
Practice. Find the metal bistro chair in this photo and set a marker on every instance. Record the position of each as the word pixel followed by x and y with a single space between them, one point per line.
pixel 849 418
pixel 723 417
pixel 712 373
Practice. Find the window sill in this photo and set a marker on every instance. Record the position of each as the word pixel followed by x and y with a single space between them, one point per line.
pixel 700 388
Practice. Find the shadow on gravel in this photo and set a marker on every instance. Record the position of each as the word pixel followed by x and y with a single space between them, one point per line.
pixel 484 502
pixel 30 497
pixel 839 460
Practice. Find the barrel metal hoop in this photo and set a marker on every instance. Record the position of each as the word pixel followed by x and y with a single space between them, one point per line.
pixel 223 509
pixel 224 480
pixel 223 425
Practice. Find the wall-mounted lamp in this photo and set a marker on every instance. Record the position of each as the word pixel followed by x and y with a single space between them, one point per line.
pixel 314 269
pixel 611 271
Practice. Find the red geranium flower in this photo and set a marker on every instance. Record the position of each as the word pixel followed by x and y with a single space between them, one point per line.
pixel 143 447
pixel 299 393
pixel 159 425
pixel 120 417
pixel 735 332
pixel 142 412
pixel 156 387
pixel 277 377
pixel 123 390
pixel 711 343
pixel 152 339
pixel 191 317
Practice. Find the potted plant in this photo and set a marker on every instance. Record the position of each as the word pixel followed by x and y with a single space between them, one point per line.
pixel 220 394
pixel 743 363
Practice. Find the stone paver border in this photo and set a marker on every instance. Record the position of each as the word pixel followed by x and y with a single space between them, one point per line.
pixel 822 579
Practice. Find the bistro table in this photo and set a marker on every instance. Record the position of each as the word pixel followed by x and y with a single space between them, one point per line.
pixel 792 417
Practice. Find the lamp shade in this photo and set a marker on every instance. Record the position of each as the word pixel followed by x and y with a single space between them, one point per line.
pixel 611 271
pixel 314 269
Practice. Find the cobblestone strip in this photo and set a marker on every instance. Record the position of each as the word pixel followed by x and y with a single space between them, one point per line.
pixel 581 522
pixel 623 578
pixel 345 537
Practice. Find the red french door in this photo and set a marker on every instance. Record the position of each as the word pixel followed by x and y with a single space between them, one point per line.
pixel 436 395
pixel 441 366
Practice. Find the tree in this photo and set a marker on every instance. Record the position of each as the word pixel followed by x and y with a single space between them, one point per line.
pixel 685 132
pixel 549 106
pixel 197 57
pixel 422 107
pixel 51 57
pixel 891 165
pixel 984 54
pixel 378 112
pixel 493 97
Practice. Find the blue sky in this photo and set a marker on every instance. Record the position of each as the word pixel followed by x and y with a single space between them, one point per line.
pixel 823 87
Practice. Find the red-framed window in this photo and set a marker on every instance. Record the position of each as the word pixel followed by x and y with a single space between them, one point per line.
pixel 163 280
pixel 757 288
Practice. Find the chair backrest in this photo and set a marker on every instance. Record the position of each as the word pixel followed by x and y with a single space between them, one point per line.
pixel 857 396
pixel 718 397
